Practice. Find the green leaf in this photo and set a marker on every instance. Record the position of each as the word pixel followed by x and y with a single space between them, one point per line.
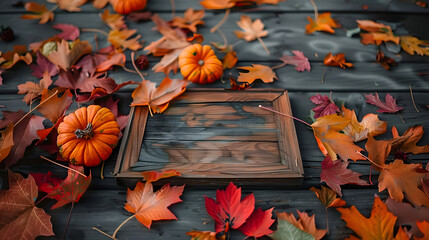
pixel 287 231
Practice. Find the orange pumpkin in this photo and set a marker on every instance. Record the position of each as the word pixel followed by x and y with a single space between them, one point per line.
pixel 88 136
pixel 199 64
pixel 127 6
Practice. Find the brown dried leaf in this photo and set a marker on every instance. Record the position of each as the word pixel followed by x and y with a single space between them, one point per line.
pixel 34 90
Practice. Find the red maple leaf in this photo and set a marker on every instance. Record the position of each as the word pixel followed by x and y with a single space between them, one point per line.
pixel 69 31
pixel 335 173
pixel 299 61
pixel 43 65
pixel 46 182
pixel 228 210
pixel 325 106
pixel 389 106
pixel 258 224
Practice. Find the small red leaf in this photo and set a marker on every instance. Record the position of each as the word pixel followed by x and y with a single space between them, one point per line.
pixel 299 61
pixel 69 32
pixel 258 224
pixel 325 106
pixel 389 106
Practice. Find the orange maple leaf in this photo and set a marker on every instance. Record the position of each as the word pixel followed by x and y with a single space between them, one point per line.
pixel 55 107
pixel 151 176
pixel 328 197
pixel 413 45
pixel 114 21
pixel 358 131
pixel 205 235
pixel 120 39
pixel 257 71
pixel 424 227
pixel 10 58
pixel 69 5
pixel 305 223
pixel 324 22
pixel 150 206
pixel 377 32
pixel 39 12
pixel 33 90
pixel 158 98
pixel 404 179
pixel 252 30
pixel 379 226
pixel 65 56
pixel 190 20
pixel 336 61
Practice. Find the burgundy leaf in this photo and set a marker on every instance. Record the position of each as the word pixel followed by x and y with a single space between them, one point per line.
pixel 258 224
pixel 299 61
pixel 47 182
pixel 335 173
pixel 386 62
pixel 140 16
pixel 43 65
pixel 100 92
pixel 69 32
pixel 10 117
pixel 75 78
pixel 389 106
pixel 324 106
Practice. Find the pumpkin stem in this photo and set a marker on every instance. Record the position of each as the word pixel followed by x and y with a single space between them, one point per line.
pixel 86 133
pixel 201 62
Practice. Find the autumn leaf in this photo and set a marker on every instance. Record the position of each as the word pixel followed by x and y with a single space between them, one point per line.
pixel 120 39
pixel 218 4
pixel 48 139
pixel 228 210
pixel 386 62
pixel 151 176
pixel 413 45
pixel 328 197
pixel 69 31
pixel 190 20
pixel 99 4
pixel 377 32
pixel 69 5
pixel 229 60
pixel 324 23
pixel 358 131
pixel 251 30
pixel 10 58
pixel 46 182
pixel 336 61
pixel 336 173
pixel 55 107
pixel 6 141
pixel 99 92
pixel 257 71
pixel 236 86
pixel 204 235
pixel 151 206
pixel 389 106
pixel 113 20
pixel 38 12
pixel 43 65
pixel 378 226
pixel 304 223
pixel 325 106
pixel 34 90
pixel 286 230
pixel 65 56
pixel 158 98
pixel 299 61
pixel 408 215
pixel 258 224
pixel 424 227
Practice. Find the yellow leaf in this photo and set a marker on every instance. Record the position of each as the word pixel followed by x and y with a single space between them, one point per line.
pixel 413 45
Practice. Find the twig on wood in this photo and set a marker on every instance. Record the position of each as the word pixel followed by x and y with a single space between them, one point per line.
pixel 71 169
pixel 222 21
pixel 412 98
pixel 284 114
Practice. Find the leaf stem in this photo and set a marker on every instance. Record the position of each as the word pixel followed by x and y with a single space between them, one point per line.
pixel 316 13
pixel 412 98
pixel 122 224
pixel 367 158
pixel 323 74
pixel 105 234
pixel 225 41
pixel 150 110
pixel 222 21
pixel 71 169
pixel 102 171
pixel 94 30
pixel 284 114
pixel 135 67
pixel 26 115
pixel 68 221
pixel 173 8
pixel 278 66
pixel 263 45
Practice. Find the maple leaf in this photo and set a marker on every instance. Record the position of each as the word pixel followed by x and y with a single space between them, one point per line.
pixel 305 223
pixel 139 16
pixel 69 5
pixel 325 106
pixel 335 173
pixel 38 12
pixel 113 20
pixel 378 226
pixel 218 4
pixel 229 211
pixel 235 86
pixel 257 71
pixel 6 141
pixel 69 31
pixel 377 32
pixel 389 106
pixel 324 23
pixel 229 60
pixel 386 62
pixel 424 227
pixel 158 98
pixel 64 56
pixel 358 131
pixel 43 65
pixel 99 92
pixel 151 206
pixel 327 130
pixel 34 90
pixel 286 230
pixel 46 182
pixel 204 235
pixel 258 224
pixel 117 59
pixel 120 39
pixel 252 30
pixel 299 61
pixel 10 58
pixel 336 61
pixel 10 117
pixel 190 20
pixel 328 197
pixel 408 215
pixel 413 45
pixel 55 107
pixel 48 139
pixel 151 176
pixel 20 218
pixel 403 179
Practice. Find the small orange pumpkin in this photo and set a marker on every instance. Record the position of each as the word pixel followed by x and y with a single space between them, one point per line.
pixel 199 64
pixel 127 6
pixel 88 136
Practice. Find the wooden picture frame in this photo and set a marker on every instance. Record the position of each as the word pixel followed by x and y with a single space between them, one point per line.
pixel 212 137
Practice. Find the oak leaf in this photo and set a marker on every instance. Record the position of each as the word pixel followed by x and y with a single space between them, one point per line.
pixel 6 141
pixel 328 197
pixel 151 176
pixel 377 32
pixel 389 106
pixel 378 226
pixel 43 65
pixel 413 45
pixel 336 173
pixel 10 58
pixel 325 106
pixel 228 210
pixel 424 227
pixel 304 223
pixel 113 20
pixel 258 224
pixel 19 217
pixel 65 56
pixel 190 20
pixel 34 90
pixel 55 107
pixel 69 5
pixel 404 180
pixel 358 131
pixel 336 61
pixel 299 61
pixel 38 12
pixel 257 71
pixel 69 31
pixel 324 23
pixel 120 39
pixel 151 206
pixel 158 98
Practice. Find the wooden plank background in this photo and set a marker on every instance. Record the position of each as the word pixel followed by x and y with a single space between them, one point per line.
pixel 102 205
